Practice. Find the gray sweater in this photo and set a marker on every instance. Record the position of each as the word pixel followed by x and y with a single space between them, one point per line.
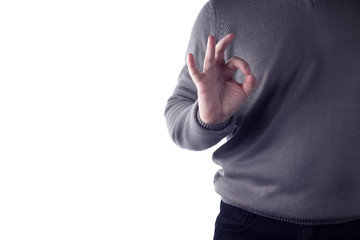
pixel 293 149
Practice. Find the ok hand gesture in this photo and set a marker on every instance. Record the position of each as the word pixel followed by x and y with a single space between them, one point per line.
pixel 219 95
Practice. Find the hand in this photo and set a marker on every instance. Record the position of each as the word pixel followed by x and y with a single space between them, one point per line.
pixel 219 95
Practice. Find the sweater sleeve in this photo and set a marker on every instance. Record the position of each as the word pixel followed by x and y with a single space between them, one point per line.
pixel 185 127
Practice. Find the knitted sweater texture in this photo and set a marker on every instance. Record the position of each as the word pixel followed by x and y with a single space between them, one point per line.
pixel 293 149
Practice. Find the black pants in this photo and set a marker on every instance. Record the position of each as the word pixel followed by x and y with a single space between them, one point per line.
pixel 234 223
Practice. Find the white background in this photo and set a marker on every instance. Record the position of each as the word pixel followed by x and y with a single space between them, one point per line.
pixel 84 148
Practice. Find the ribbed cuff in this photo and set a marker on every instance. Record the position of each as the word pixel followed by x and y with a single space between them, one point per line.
pixel 213 127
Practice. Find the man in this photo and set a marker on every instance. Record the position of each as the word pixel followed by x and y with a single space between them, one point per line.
pixel 291 163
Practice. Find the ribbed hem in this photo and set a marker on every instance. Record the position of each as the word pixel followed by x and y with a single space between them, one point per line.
pixel 213 127
pixel 294 221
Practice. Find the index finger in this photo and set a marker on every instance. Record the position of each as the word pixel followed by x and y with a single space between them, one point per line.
pixel 222 45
